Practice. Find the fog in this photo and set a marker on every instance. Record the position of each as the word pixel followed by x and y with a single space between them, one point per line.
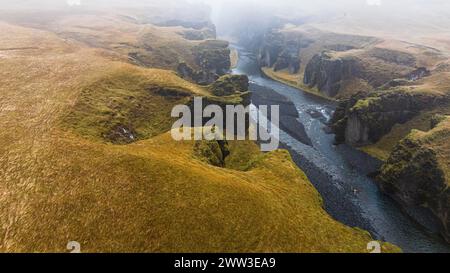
pixel 234 16
pixel 397 15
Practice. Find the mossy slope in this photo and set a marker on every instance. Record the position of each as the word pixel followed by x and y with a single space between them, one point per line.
pixel 417 172
pixel 128 105
pixel 155 196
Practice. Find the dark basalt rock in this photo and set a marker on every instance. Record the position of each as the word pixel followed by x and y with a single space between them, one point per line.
pixel 289 58
pixel 212 58
pixel 121 134
pixel 418 74
pixel 436 119
pixel 413 177
pixel 362 120
pixel 271 49
pixel 327 73
pixel 281 52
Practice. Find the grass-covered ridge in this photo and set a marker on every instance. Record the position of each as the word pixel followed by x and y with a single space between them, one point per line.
pixel 156 196
pixel 62 181
pixel 129 104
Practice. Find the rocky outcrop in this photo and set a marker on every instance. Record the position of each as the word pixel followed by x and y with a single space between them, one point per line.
pixel 280 51
pixel 271 49
pixel 363 120
pixel 228 90
pixel 418 74
pixel 121 134
pixel 436 120
pixel 416 174
pixel 230 84
pixel 327 73
pixel 213 152
pixel 212 60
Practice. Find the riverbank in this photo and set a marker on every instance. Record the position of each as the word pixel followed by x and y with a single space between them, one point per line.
pixel 340 173
pixel 288 80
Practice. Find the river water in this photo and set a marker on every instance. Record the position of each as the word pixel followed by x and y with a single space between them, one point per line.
pixel 340 172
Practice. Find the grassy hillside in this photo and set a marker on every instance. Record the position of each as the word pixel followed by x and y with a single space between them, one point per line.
pixel 61 181
pixel 122 35
pixel 129 104
pixel 145 197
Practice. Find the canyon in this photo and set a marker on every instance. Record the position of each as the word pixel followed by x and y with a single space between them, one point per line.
pixel 87 93
pixel 92 158
pixel 386 89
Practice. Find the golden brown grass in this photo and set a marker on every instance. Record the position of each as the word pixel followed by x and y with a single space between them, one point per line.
pixel 285 77
pixel 146 198
pixel 150 196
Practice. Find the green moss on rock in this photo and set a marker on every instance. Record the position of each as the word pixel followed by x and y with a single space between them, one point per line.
pixel 230 84
pixel 416 174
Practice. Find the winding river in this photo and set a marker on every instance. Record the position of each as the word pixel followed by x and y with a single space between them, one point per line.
pixel 340 172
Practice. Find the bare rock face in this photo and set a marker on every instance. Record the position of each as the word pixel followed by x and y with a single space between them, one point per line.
pixel 212 60
pixel 415 175
pixel 121 134
pixel 418 74
pixel 363 120
pixel 270 50
pixel 356 133
pixel 280 51
pixel 327 73
pixel 289 58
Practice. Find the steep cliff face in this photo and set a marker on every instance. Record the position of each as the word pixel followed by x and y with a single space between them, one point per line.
pixel 338 65
pixel 280 51
pixel 212 60
pixel 328 73
pixel 364 120
pixel 416 174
